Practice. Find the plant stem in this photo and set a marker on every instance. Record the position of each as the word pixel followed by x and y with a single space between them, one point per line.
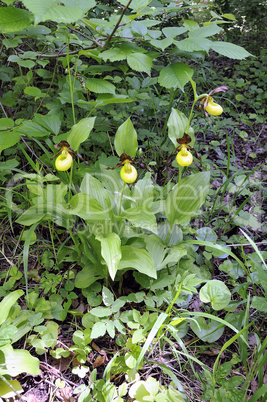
pixel 164 136
pixel 168 311
pixel 70 83
pixel 52 241
pixel 121 197
pixel 180 175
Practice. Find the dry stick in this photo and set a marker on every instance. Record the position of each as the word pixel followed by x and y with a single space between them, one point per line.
pixel 36 155
pixel 2 107
pixel 116 26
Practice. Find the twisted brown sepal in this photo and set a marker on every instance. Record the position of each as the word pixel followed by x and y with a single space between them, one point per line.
pixel 124 157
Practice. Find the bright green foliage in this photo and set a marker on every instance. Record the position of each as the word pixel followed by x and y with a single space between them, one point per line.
pixel 135 265
pixel 126 139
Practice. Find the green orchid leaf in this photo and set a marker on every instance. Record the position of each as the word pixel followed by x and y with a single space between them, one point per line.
pixel 7 303
pixel 139 259
pixel 111 251
pixel 126 139
pixel 185 200
pixel 80 132
pixel 177 124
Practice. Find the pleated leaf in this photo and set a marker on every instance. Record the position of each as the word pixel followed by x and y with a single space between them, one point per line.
pixel 230 50
pixel 13 19
pixel 80 132
pixel 139 259
pixel 100 86
pixel 7 302
pixel 126 139
pixel 48 10
pixel 87 208
pixel 111 252
pixel 175 75
pixel 8 139
pixel 140 62
pixel 185 200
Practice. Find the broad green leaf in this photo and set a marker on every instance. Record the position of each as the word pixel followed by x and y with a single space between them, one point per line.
pixel 34 91
pixel 191 25
pixel 101 311
pixel 185 200
pixel 108 297
pixel 13 19
pixel 139 28
pixel 115 54
pixel 174 254
pixel 32 129
pixel 209 331
pixel 230 50
pixel 80 132
pixel 162 44
pixel 140 62
pixel 100 86
pixel 85 207
pixel 174 75
pixel 111 252
pixel 206 234
pixel 7 392
pixel 229 17
pixel 89 275
pixel 216 293
pixel 177 124
pixel 8 139
pixel 7 303
pixel 194 43
pixel 136 5
pixel 102 101
pixel 48 10
pixel 83 4
pixel 18 361
pixel 135 258
pixel 126 139
pixel 259 303
pixel 205 31
pixel 143 192
pixel 50 122
pixel 156 249
pixel 99 329
pixel 44 210
pixel 141 217
pixel 118 53
pixel 172 32
pixel 31 216
pixel 6 123
pixel 26 63
pixel 94 188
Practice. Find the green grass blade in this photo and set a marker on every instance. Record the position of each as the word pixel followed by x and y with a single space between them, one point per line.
pixel 161 318
pixel 26 254
pixel 255 247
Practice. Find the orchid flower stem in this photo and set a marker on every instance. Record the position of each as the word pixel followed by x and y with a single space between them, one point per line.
pixel 168 311
pixel 77 248
pixel 180 175
pixel 70 83
pixel 190 117
pixel 121 197
pixel 52 239
pixel 168 235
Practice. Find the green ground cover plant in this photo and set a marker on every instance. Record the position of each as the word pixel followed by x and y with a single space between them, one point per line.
pixel 132 175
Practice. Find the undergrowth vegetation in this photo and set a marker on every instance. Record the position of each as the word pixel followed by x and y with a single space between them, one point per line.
pixel 132 189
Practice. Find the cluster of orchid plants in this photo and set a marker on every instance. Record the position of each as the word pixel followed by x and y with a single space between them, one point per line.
pixel 184 157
